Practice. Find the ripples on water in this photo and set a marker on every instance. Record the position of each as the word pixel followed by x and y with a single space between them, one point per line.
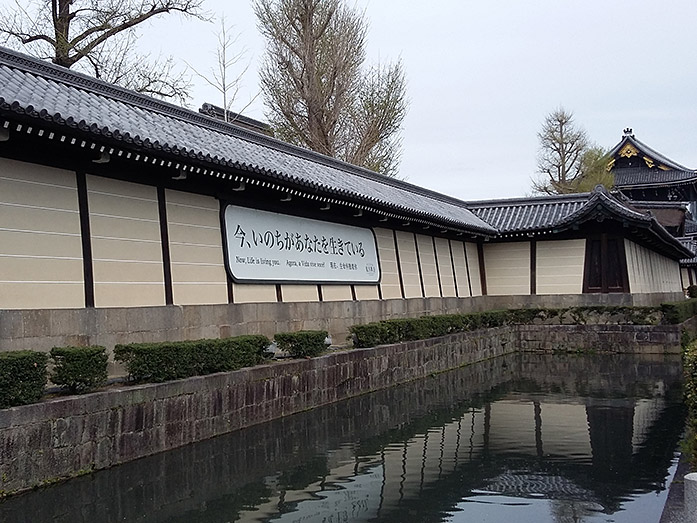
pixel 538 438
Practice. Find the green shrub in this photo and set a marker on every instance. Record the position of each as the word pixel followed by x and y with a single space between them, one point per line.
pixel 678 312
pixel 692 291
pixel 302 344
pixel 22 377
pixel 163 361
pixel 407 329
pixel 690 370
pixel 79 369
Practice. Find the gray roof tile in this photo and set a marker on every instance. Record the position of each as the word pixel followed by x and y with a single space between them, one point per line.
pixel 635 177
pixel 68 98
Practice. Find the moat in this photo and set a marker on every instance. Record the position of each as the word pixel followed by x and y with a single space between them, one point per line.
pixel 538 438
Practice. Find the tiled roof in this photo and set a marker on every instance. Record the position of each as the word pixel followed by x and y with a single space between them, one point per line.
pixel 57 96
pixel 43 95
pixel 550 212
pixel 528 214
pixel 635 177
pixel 648 151
pixel 559 213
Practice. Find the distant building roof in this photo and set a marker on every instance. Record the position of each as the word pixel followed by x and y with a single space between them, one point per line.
pixel 629 146
pixel 553 214
pixel 636 165
pixel 236 118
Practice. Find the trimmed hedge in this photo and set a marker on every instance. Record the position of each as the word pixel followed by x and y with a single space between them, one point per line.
pixel 302 344
pixel 157 362
pixel 79 369
pixel 22 377
pixel 409 329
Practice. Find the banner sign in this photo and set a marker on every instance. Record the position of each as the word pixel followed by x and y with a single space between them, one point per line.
pixel 269 247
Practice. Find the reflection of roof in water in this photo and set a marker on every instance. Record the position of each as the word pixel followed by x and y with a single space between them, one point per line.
pixel 533 485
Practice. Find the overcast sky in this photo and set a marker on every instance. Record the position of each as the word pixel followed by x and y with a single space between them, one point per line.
pixel 483 74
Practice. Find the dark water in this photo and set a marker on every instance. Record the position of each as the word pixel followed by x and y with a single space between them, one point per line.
pixel 525 438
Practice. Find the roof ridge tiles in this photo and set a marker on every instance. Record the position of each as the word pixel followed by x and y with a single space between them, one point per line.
pixel 31 65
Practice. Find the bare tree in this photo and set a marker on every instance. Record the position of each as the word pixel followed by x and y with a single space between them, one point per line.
pixel 221 77
pixel 316 91
pixel 99 37
pixel 560 158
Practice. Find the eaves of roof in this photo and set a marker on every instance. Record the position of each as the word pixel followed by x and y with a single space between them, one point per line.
pixel 54 96
pixel 690 243
pixel 646 150
pixel 559 213
pixel 647 178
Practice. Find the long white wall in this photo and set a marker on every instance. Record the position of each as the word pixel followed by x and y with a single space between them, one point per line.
pixel 648 271
pixel 40 239
pixel 41 258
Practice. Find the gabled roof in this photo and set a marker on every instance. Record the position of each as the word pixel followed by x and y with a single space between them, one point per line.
pixel 555 214
pixel 54 97
pixel 629 145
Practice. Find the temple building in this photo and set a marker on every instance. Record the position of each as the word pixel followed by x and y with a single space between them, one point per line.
pixel 661 186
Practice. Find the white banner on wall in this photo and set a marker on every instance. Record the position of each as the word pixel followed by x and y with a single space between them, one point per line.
pixel 271 247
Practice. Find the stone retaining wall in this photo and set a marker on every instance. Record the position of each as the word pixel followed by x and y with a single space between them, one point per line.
pixel 47 328
pixel 64 437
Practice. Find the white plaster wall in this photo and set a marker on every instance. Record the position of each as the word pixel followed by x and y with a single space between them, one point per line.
pixel 650 271
pixel 409 264
pixel 473 263
pixel 40 239
pixel 445 267
pixel 461 273
pixel 196 249
pixel 507 268
pixel 126 247
pixel 560 266
pixel 389 271
pixel 427 260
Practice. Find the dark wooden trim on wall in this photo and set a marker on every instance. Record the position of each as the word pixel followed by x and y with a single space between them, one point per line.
pixel 467 266
pixel 86 236
pixel 399 262
pixel 320 297
pixel 435 257
pixel 279 293
pixel 482 268
pixel 452 264
pixel 164 241
pixel 533 266
pixel 230 288
pixel 689 275
pixel 418 265
pixel 353 292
